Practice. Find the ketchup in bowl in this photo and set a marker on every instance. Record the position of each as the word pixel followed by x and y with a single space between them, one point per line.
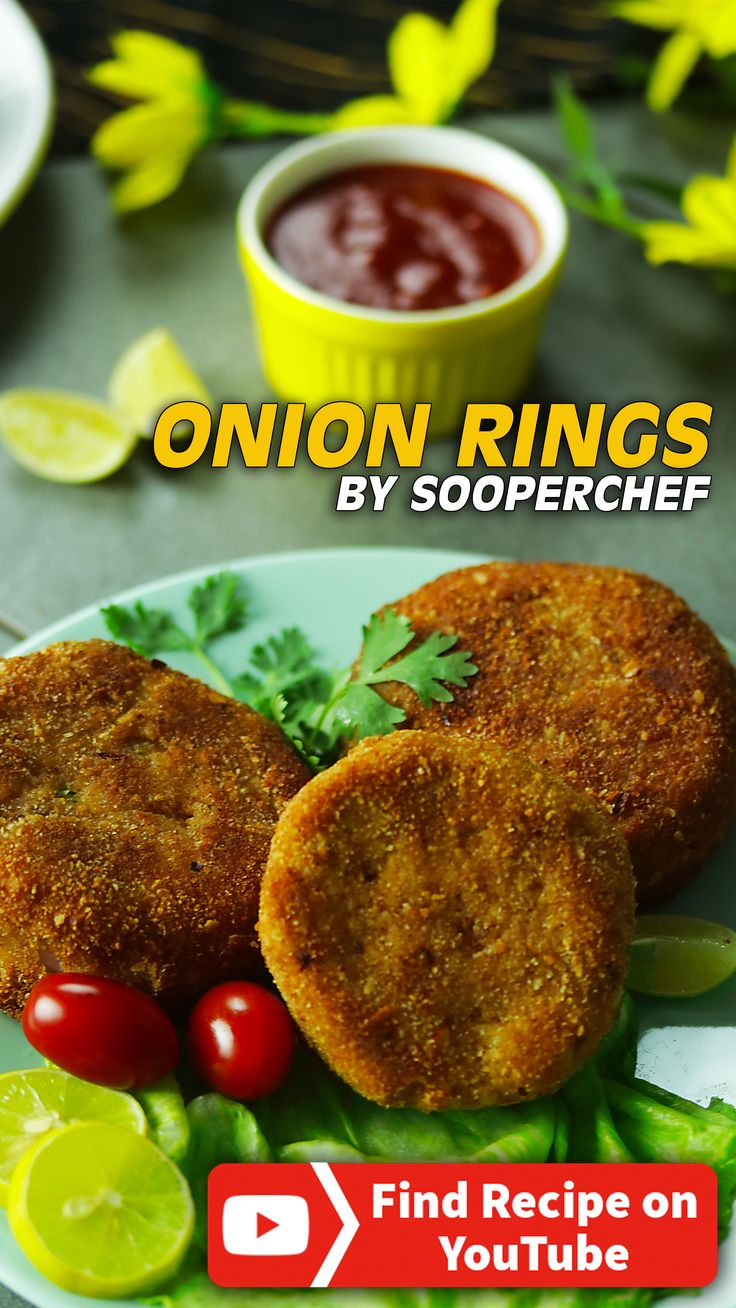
pixel 403 236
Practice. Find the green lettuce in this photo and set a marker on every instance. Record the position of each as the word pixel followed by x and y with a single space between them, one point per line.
pixel 603 1114
pixel 197 1291
pixel 326 1121
pixel 163 1104
pixel 220 1131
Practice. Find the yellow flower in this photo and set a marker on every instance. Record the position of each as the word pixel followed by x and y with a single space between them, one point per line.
pixel 699 27
pixel 153 142
pixel 431 67
pixel 708 236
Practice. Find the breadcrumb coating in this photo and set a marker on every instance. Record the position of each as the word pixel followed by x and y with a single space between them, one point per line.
pixel 607 678
pixel 447 923
pixel 136 812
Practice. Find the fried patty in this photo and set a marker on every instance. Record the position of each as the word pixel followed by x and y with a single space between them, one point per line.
pixel 448 923
pixel 136 811
pixel 607 678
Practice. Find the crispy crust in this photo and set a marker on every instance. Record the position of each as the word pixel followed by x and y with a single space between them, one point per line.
pixel 136 811
pixel 609 679
pixel 447 923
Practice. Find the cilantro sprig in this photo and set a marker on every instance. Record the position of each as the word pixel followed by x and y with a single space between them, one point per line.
pixel 217 605
pixel 429 669
pixel 283 678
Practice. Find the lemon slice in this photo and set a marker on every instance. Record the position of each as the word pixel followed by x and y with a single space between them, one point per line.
pixel 38 1100
pixel 100 1211
pixel 63 437
pixel 150 375
pixel 680 956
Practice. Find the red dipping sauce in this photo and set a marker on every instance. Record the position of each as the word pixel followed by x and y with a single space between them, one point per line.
pixel 402 236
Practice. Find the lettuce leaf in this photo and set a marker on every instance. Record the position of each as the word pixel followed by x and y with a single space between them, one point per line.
pixel 660 1127
pixel 220 1131
pixel 603 1114
pixel 166 1113
pixel 326 1121
pixel 197 1291
pixel 593 1136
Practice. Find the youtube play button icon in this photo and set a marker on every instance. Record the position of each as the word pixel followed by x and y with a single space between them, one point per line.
pixel 276 1224
pixel 265 1225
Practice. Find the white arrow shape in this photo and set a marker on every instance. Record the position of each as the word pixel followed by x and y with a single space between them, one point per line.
pixel 350 1224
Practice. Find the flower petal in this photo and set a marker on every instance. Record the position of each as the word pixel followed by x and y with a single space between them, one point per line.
pixel 133 80
pixel 174 126
pixel 371 111
pixel 150 182
pixel 419 58
pixel 473 41
pixel 176 66
pixel 662 14
pixel 718 28
pixel 676 243
pixel 709 203
pixel 672 67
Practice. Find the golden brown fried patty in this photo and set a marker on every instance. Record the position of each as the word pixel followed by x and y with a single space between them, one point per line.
pixel 609 679
pixel 136 811
pixel 447 923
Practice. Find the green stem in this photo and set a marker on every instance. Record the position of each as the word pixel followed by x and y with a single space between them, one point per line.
pixel 216 674
pixel 327 708
pixel 592 209
pixel 246 118
pixel 654 186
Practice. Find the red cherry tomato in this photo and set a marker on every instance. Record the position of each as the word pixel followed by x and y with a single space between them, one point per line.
pixel 100 1030
pixel 240 1039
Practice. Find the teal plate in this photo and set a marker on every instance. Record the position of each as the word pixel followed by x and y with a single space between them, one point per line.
pixel 688 1046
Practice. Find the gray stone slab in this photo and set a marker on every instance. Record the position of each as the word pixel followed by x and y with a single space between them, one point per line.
pixel 78 286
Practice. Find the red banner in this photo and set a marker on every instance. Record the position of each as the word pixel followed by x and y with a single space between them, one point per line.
pixel 448 1224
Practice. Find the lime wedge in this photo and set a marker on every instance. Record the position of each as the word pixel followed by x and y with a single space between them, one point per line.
pixel 673 956
pixel 63 437
pixel 100 1211
pixel 150 375
pixel 39 1100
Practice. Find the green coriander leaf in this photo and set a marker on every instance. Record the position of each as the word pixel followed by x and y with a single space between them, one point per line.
pixel 286 660
pixel 147 631
pixel 249 689
pixel 279 711
pixel 286 684
pixel 429 667
pixel 267 701
pixel 284 665
pixel 424 668
pixel 385 635
pixel 361 712
pixel 218 606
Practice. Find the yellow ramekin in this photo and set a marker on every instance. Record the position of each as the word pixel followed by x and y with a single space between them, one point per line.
pixel 316 348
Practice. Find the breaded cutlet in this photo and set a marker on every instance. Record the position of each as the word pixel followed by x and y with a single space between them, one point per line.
pixel 607 678
pixel 136 811
pixel 447 923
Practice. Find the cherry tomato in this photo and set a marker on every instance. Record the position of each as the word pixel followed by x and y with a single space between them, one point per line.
pixel 240 1039
pixel 100 1030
